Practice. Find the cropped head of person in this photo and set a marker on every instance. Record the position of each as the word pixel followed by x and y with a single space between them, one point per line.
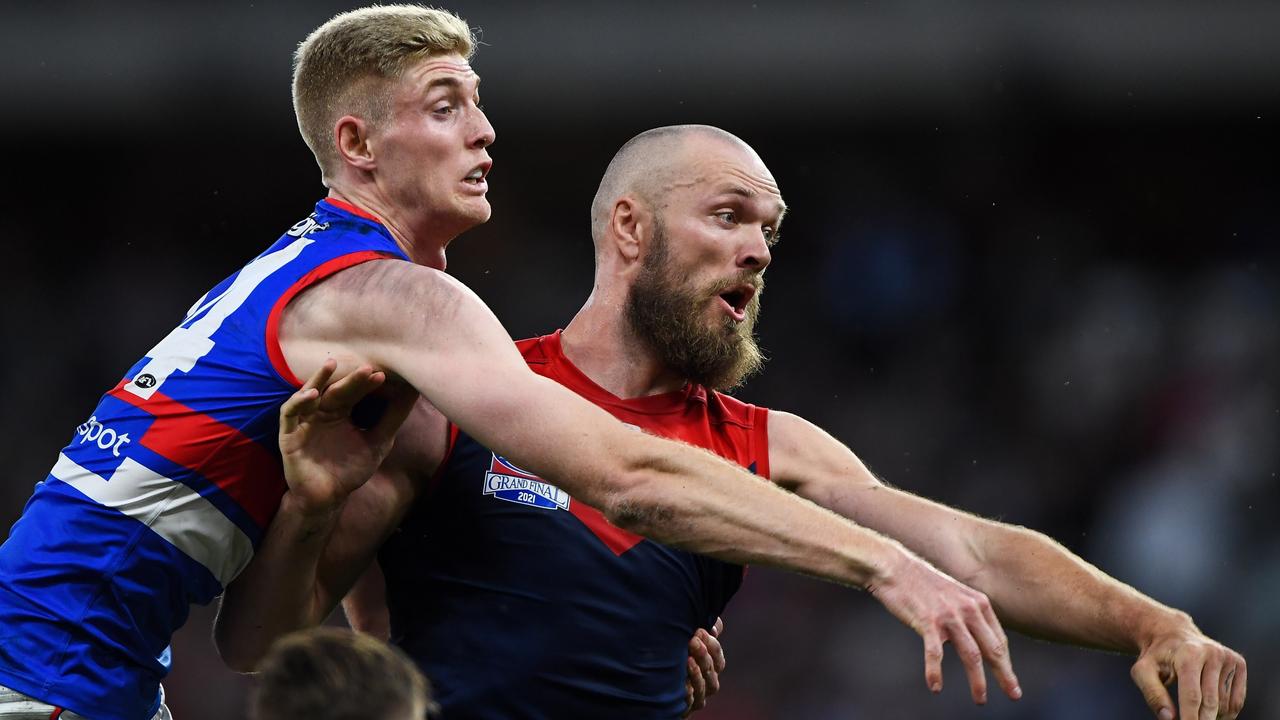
pixel 335 674
pixel 387 101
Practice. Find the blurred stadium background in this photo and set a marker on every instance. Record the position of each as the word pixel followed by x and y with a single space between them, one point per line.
pixel 1031 270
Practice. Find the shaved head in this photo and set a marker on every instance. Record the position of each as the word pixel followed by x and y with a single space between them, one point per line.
pixel 649 166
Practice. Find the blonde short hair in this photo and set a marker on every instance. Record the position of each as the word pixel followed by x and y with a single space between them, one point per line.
pixel 342 67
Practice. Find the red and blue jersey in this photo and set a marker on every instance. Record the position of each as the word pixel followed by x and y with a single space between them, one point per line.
pixel 166 488
pixel 523 603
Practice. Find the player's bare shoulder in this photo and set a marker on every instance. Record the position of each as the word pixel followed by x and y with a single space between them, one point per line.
pixel 369 297
pixel 356 314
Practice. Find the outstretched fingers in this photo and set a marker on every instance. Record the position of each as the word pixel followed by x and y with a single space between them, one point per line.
pixel 971 657
pixel 1210 684
pixel 703 653
pixel 995 648
pixel 1190 695
pixel 979 640
pixel 341 397
pixel 1239 684
pixel 1146 675
pixel 933 659
pixel 307 398
pixel 695 687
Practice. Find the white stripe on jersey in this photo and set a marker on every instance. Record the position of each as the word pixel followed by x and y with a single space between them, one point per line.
pixel 171 509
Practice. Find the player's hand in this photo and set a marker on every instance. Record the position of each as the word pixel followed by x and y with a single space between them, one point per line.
pixel 325 455
pixel 1212 678
pixel 706 662
pixel 943 610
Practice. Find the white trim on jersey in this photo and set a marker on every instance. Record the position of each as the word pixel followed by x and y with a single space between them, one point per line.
pixel 172 510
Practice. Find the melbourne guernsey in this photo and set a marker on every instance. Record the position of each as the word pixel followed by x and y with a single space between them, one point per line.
pixel 521 602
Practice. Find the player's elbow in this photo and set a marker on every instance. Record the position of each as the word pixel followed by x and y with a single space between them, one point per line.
pixel 239 654
pixel 638 503
pixel 237 659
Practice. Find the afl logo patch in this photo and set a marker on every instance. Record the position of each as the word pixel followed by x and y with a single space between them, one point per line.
pixel 145 380
pixel 507 482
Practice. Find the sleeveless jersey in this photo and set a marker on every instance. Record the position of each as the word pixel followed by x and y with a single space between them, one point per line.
pixel 166 488
pixel 520 602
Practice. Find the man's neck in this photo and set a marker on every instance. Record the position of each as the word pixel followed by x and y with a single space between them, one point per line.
pixel 413 239
pixel 600 342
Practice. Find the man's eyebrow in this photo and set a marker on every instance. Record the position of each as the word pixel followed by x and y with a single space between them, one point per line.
pixel 449 81
pixel 749 193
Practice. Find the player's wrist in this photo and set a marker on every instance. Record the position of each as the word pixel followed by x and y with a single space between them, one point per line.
pixel 1161 624
pixel 311 508
pixel 885 566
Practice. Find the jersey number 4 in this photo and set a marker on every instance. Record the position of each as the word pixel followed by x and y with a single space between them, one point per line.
pixel 190 341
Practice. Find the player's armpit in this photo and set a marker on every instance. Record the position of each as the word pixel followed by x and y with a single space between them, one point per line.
pixel 806 459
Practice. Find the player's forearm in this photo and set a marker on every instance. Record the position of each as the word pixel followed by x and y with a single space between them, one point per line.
pixel 365 604
pixel 279 591
pixel 1042 589
pixel 688 498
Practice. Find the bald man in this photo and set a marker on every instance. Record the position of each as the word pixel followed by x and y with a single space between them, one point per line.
pixel 523 602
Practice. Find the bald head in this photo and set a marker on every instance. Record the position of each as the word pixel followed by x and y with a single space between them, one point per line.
pixel 649 166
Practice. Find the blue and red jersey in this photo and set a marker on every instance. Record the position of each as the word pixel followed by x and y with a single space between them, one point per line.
pixel 523 603
pixel 166 489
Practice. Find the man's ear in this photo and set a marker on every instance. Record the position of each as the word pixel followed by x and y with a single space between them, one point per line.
pixel 354 147
pixel 629 224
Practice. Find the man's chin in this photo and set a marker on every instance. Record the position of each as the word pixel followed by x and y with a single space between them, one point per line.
pixel 469 216
pixel 476 211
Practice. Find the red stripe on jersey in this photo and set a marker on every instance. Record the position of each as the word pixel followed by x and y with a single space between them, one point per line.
pixel 617 539
pixel 760 441
pixel 246 471
pixel 343 204
pixel 320 272
pixel 451 443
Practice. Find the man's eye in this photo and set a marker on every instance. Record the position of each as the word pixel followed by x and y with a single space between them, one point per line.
pixel 443 109
pixel 728 216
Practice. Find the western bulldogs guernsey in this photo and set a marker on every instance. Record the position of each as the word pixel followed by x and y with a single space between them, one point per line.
pixel 518 601
pixel 165 489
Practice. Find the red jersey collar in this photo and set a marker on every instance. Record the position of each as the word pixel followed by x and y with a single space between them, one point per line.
pixel 344 205
pixel 566 373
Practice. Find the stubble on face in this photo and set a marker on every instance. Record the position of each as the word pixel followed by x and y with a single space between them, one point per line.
pixel 669 316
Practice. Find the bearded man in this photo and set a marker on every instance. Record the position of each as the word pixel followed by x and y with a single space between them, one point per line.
pixel 520 601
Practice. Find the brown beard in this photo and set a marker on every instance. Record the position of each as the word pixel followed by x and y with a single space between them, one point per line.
pixel 669 317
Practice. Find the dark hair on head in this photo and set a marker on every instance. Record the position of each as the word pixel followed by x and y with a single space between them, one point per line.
pixel 337 674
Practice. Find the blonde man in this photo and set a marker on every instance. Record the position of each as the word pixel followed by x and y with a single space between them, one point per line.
pixel 173 483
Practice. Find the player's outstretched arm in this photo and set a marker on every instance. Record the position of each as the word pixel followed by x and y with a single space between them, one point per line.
pixel 433 332
pixel 1036 585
